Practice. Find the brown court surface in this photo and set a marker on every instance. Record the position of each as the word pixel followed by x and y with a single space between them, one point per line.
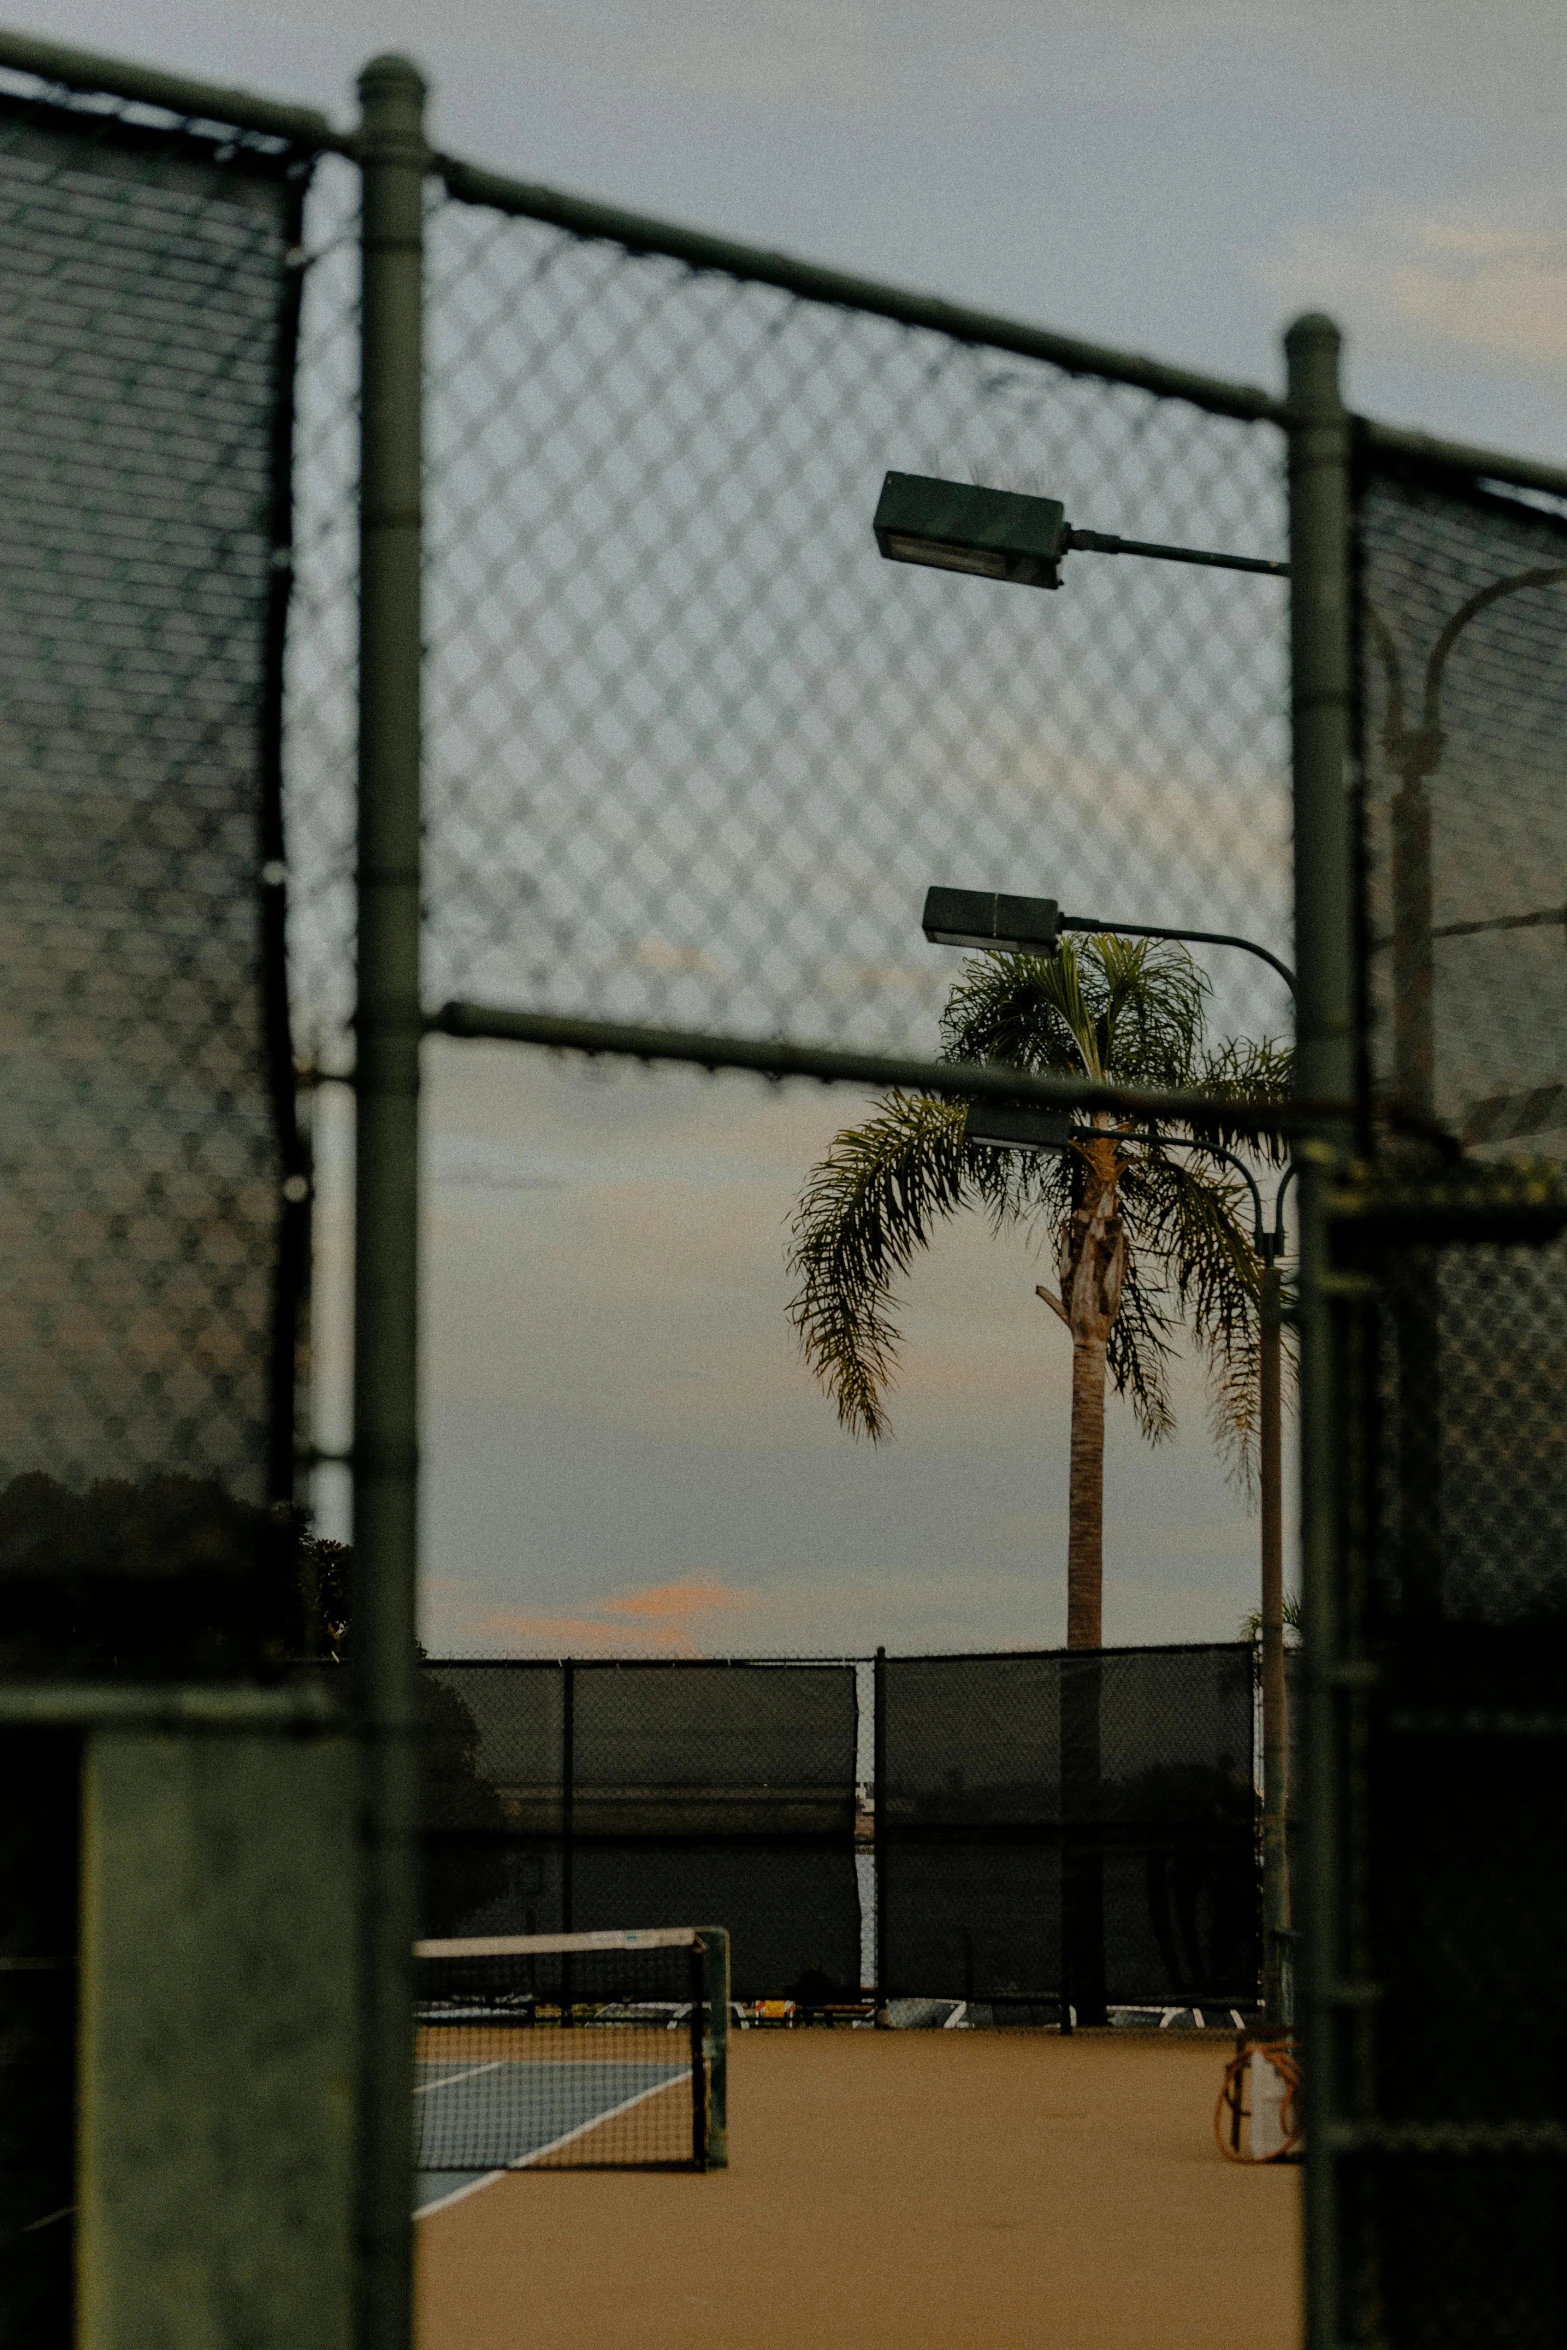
pixel 893 2191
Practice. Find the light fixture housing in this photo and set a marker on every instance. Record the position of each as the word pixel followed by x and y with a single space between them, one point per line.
pixel 1008 1126
pixel 957 526
pixel 989 919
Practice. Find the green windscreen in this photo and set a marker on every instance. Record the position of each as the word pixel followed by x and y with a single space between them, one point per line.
pixel 147 1147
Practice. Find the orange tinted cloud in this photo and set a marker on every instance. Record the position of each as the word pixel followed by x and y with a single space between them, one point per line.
pixel 659 1623
pixel 676 1601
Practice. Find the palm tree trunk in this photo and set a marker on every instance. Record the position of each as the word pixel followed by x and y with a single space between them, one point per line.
pixel 1086 1496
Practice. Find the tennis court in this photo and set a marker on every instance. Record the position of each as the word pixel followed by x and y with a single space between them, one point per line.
pixel 476 2119
pixel 892 2190
pixel 601 2050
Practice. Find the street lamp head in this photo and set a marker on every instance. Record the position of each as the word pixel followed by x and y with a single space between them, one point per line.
pixel 1003 1126
pixel 957 526
pixel 989 919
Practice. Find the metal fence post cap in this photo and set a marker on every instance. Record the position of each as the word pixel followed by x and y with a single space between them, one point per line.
pixel 1313 327
pixel 390 72
pixel 1313 349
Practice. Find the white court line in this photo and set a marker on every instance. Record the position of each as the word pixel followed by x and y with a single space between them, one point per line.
pixel 471 2188
pixel 467 2074
pixel 608 2115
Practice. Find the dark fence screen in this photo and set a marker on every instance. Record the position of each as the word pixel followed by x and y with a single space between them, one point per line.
pixel 144 384
pixel 1044 1824
pixel 151 1249
pixel 1068 1828
pixel 564 1797
pixel 1447 2075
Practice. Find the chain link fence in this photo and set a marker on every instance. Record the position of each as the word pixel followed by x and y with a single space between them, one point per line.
pixel 153 1194
pixel 153 1199
pixel 1439 2089
pixel 1065 1832
pixel 693 752
pixel 1043 1833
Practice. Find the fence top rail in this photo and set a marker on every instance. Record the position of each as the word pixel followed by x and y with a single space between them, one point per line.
pixel 85 71
pixel 612 1663
pixel 468 183
pixel 1461 457
pixel 934 1656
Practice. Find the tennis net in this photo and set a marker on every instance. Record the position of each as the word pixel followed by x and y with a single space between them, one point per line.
pixel 597 2051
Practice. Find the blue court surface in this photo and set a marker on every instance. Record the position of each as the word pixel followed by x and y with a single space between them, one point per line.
pixel 508 2115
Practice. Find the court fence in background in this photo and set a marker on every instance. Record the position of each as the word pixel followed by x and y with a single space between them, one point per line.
pixel 1034 1832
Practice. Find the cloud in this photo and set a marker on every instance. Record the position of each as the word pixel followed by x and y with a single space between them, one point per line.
pixel 1493 283
pixel 660 1621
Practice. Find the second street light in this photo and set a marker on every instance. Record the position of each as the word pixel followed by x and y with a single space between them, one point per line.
pixel 991 919
pixel 1008 535
pixel 1023 540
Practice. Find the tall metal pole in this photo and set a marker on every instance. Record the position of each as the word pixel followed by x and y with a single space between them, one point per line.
pixel 1275 1730
pixel 1321 721
pixel 393 160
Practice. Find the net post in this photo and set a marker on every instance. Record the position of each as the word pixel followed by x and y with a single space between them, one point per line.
pixel 393 160
pixel 697 2029
pixel 1321 715
pixel 568 1802
pixel 715 1953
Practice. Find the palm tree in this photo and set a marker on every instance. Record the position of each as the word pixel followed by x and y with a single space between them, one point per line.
pixel 1146 1237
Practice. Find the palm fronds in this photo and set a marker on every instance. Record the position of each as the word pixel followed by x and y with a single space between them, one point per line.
pixel 868 1206
pixel 1104 1007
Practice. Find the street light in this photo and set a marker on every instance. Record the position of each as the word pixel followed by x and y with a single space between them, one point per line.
pixel 1414 752
pixel 1007 535
pixel 1001 534
pixel 990 919
pixel 1004 1127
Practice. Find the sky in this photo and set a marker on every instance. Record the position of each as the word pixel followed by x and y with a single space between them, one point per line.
pixel 624 1449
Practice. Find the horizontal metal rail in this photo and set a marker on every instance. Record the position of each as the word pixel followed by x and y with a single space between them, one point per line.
pixel 838 1065
pixel 1397 440
pixel 88 70
pixel 86 1705
pixel 639 233
pixel 1505 2140
pixel 145 85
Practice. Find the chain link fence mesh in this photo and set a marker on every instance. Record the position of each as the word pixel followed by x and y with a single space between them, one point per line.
pixel 1062 1831
pixel 693 751
pixel 147 371
pixel 569 1797
pixel 693 756
pixel 153 1195
pixel 1030 1818
pixel 1446 2095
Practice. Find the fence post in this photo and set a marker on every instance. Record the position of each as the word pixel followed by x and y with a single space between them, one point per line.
pixel 715 1943
pixel 1321 710
pixel 879 1821
pixel 393 160
pixel 1275 1723
pixel 568 1794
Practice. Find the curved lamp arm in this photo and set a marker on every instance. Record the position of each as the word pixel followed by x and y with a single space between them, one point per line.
pixel 1216 1150
pixel 1416 750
